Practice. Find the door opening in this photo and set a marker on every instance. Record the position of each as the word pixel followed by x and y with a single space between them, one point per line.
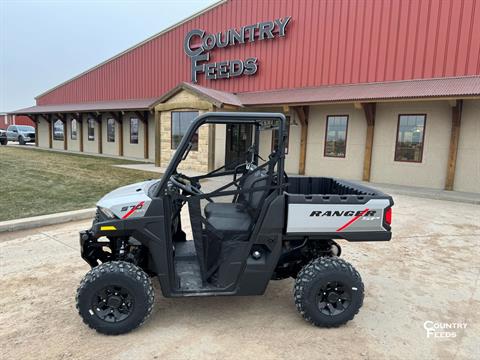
pixel 239 139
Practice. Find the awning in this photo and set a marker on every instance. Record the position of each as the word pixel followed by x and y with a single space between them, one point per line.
pixel 441 88
pixel 458 87
pixel 114 105
pixel 455 87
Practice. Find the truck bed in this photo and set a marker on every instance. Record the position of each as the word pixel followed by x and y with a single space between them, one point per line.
pixel 325 207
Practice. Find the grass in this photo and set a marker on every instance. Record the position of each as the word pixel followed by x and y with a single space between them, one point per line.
pixel 38 182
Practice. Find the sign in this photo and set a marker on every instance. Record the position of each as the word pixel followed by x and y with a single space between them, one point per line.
pixel 198 44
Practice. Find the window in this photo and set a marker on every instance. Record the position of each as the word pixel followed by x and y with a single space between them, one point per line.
pixel 133 131
pixel 275 137
pixel 73 129
pixel 58 130
pixel 110 130
pixel 25 128
pixel 336 136
pixel 181 120
pixel 91 129
pixel 410 136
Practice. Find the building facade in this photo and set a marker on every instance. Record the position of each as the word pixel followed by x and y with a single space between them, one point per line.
pixel 382 91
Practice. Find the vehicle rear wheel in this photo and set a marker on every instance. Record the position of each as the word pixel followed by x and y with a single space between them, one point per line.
pixel 21 140
pixel 3 142
pixel 328 292
pixel 115 297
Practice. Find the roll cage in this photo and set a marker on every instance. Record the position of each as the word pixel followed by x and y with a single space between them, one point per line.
pixel 258 120
pixel 252 182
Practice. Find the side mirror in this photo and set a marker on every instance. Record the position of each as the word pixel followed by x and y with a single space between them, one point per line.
pixel 15 131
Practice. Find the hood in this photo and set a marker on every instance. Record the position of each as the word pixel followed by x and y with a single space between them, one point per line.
pixel 26 131
pixel 128 201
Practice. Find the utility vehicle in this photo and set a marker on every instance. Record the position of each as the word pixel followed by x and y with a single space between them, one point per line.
pixel 274 227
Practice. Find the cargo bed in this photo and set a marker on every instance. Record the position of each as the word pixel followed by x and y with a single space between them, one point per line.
pixel 330 208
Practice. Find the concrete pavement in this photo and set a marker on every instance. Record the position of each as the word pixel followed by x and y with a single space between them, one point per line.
pixel 430 271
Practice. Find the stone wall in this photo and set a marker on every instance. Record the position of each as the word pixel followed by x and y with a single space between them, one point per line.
pixel 197 160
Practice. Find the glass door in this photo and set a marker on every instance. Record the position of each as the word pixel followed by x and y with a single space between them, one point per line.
pixel 239 139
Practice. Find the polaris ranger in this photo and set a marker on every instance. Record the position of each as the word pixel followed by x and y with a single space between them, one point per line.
pixel 276 226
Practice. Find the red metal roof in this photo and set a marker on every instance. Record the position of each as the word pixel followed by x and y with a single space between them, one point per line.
pixel 136 104
pixel 467 86
pixel 327 43
pixel 457 87
pixel 425 88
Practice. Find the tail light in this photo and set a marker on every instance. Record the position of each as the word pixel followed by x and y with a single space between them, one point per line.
pixel 388 216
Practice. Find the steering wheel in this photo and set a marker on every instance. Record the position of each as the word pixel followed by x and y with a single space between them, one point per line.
pixel 180 182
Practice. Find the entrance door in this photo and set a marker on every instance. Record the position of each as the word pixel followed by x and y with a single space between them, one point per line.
pixel 239 139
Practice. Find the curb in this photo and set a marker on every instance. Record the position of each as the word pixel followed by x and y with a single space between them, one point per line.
pixel 43 220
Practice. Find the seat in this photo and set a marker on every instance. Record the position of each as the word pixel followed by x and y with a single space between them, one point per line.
pixel 244 201
pixel 236 217
pixel 225 223
pixel 229 223
pixel 223 208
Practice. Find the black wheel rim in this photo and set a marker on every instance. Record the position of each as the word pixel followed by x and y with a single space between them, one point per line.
pixel 113 304
pixel 334 298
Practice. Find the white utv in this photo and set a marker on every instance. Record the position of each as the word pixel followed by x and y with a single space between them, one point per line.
pixel 276 226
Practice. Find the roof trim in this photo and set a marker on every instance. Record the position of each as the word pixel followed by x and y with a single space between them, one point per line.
pixel 215 97
pixel 104 106
pixel 417 89
pixel 181 22
pixel 365 83
pixel 449 87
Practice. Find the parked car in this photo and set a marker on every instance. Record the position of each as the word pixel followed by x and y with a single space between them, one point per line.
pixel 3 137
pixel 277 226
pixel 21 133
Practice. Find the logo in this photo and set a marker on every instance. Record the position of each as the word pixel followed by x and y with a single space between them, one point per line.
pixel 198 44
pixel 442 330
pixel 132 207
pixel 344 213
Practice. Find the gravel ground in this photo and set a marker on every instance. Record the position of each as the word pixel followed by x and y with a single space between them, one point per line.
pixel 429 272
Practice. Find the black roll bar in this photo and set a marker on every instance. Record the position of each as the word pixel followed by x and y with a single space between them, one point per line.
pixel 226 118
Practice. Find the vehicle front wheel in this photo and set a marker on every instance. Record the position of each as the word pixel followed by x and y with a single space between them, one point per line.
pixel 328 292
pixel 115 297
pixel 3 142
pixel 21 140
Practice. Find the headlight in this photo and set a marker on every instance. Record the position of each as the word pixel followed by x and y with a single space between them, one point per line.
pixel 107 212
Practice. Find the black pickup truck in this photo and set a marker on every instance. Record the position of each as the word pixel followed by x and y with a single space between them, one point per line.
pixel 274 227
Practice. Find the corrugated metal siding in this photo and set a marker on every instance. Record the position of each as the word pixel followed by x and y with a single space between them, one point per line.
pixel 327 42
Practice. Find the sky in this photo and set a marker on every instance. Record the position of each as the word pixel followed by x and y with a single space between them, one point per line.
pixel 43 43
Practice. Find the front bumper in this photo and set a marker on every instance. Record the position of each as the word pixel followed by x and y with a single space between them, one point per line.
pixel 89 248
pixel 92 250
pixel 27 138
